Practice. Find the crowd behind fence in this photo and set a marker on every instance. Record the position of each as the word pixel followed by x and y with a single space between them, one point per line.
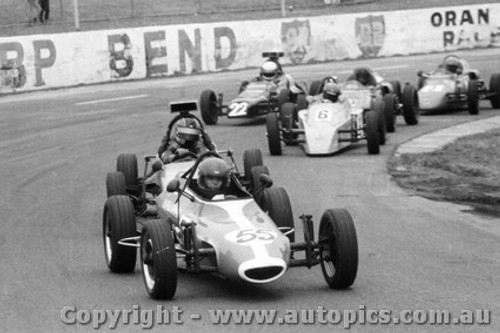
pixel 17 12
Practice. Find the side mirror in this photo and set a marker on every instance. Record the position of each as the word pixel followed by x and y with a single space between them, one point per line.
pixel 173 185
pixel 265 180
pixel 420 73
pixel 157 166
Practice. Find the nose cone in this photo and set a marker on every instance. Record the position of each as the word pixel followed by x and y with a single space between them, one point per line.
pixel 262 271
pixel 429 99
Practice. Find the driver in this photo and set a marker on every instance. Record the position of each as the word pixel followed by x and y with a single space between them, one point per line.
pixel 186 141
pixel 331 94
pixel 213 177
pixel 270 70
pixel 453 65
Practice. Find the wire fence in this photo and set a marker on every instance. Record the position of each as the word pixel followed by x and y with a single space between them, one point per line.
pixel 19 12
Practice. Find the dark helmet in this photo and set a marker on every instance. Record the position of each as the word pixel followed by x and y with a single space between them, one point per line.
pixel 213 176
pixel 187 132
pixel 269 70
pixel 452 64
pixel 331 91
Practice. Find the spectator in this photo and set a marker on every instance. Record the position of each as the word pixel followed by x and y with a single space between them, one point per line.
pixel 45 10
pixel 33 6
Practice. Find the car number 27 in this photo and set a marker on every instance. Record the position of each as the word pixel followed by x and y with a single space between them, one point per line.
pixel 248 236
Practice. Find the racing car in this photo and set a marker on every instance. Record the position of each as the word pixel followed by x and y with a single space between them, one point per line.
pixel 454 85
pixel 259 96
pixel 364 86
pixel 230 234
pixel 324 127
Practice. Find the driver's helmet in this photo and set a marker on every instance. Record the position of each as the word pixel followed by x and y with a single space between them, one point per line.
pixel 187 133
pixel 213 176
pixel 331 92
pixel 453 64
pixel 269 70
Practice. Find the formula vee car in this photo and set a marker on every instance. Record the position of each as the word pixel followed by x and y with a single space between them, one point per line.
pixel 324 127
pixel 259 96
pixel 363 87
pixel 454 85
pixel 230 234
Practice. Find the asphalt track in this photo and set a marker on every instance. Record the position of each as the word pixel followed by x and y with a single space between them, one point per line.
pixel 57 146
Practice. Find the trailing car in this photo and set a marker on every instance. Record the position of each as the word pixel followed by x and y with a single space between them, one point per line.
pixel 363 87
pixel 454 85
pixel 256 97
pixel 228 232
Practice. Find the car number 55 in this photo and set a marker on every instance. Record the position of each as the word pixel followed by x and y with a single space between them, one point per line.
pixel 248 236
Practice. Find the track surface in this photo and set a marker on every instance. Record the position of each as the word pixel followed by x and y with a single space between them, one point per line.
pixel 56 148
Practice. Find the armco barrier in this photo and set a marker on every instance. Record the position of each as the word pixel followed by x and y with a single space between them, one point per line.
pixel 61 60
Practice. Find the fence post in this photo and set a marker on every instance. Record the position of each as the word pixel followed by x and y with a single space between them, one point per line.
pixel 75 15
pixel 283 10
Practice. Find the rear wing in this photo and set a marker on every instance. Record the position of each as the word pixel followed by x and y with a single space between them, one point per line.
pixel 273 55
pixel 183 107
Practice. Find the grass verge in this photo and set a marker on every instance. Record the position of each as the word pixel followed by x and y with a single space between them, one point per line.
pixel 464 172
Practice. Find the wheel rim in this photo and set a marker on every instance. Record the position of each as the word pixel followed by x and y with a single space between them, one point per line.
pixel 148 268
pixel 329 254
pixel 107 240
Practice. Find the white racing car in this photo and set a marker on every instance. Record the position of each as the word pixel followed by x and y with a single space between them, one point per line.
pixel 245 234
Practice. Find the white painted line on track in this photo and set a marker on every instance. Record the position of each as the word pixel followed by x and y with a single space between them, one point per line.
pixel 111 99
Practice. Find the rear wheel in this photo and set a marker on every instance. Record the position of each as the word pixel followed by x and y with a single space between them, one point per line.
pixel 276 203
pixel 118 222
pixel 288 115
pixel 127 164
pixel 158 259
pixel 283 97
pixel 251 158
pixel 115 184
pixel 473 98
pixel 339 254
pixel 410 105
pixel 495 89
pixel 378 107
pixel 372 135
pixel 396 88
pixel 209 107
pixel 302 103
pixel 390 108
pixel 256 183
pixel 273 134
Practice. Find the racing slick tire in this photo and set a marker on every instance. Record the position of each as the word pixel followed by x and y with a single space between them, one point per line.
pixel 410 105
pixel 209 107
pixel 390 109
pixel 372 132
pixel 495 89
pixel 251 158
pixel 339 248
pixel 316 87
pixel 396 88
pixel 283 97
pixel 127 164
pixel 256 183
pixel 115 184
pixel 302 104
pixel 158 259
pixel 473 98
pixel 277 204
pixel 119 222
pixel 288 115
pixel 273 133
pixel 378 107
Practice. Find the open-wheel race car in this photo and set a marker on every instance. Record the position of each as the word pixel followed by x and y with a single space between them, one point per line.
pixel 256 97
pixel 324 127
pixel 179 226
pixel 363 87
pixel 454 85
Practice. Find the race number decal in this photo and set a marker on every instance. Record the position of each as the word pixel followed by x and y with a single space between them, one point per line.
pixel 238 109
pixel 323 115
pixel 251 236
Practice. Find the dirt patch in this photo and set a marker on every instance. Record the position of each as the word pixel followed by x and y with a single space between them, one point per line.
pixel 465 172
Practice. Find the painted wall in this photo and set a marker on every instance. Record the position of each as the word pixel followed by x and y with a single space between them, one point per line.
pixel 61 60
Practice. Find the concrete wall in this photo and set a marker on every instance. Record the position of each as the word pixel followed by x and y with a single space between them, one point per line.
pixel 61 60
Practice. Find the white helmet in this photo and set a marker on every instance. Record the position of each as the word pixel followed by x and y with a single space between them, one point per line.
pixel 269 70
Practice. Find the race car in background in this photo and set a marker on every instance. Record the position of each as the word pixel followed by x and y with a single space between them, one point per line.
pixel 454 85
pixel 230 234
pixel 363 87
pixel 256 97
pixel 325 127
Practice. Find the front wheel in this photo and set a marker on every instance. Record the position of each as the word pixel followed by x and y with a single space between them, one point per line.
pixel 277 204
pixel 158 260
pixel 118 222
pixel 209 107
pixel 127 164
pixel 372 133
pixel 115 184
pixel 273 134
pixel 339 248
pixel 410 105
pixel 390 108
pixel 473 98
pixel 495 90
pixel 251 158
